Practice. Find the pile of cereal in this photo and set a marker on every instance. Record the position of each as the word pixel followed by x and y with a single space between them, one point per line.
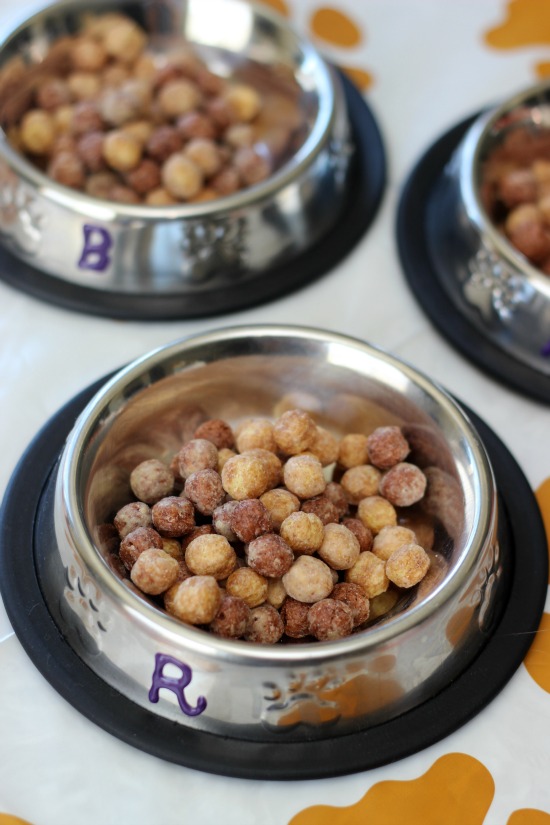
pixel 105 114
pixel 244 536
pixel 515 190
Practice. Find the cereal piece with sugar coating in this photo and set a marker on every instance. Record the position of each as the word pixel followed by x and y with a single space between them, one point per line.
pixel 294 616
pixel 231 619
pixel 154 571
pixel 303 475
pixel 132 515
pixel 264 626
pixel 360 531
pixel 376 512
pixel 269 555
pixel 172 547
pixel 407 565
pixel 369 572
pixel 325 446
pixel 336 494
pixel 250 519
pixel 294 432
pixel 195 600
pixel 221 520
pixel 140 539
pixel 210 555
pixel 247 585
pixel 280 503
pixel 322 507
pixel 218 431
pixel 224 454
pixel 390 539
pixel 403 485
pixel 276 593
pixel 197 454
pixel 353 450
pixel 308 580
pixel 255 433
pixel 303 532
pixel 245 476
pixel 361 481
pixel 340 547
pixel 387 446
pixel 201 530
pixel 151 480
pixel 354 597
pixel 272 464
pixel 330 619
pixel 205 490
pixel 173 516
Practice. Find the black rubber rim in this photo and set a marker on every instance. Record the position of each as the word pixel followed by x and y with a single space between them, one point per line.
pixel 367 183
pixel 418 198
pixel 521 529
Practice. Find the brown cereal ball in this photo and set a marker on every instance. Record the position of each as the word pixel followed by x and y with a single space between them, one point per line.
pixel 67 168
pixel 376 512
pixel 226 181
pixel 90 151
pixel 324 446
pixel 177 97
pixel 197 454
pixel 330 619
pixel 123 194
pixel 403 485
pixel 247 585
pixel 132 515
pixel 387 446
pixel 204 489
pixel 526 230
pixel 100 184
pixel 322 507
pixel 294 432
pixel 264 626
pixel 279 503
pixel 407 565
pixel 340 548
pixel 37 132
pixel 195 600
pixel 518 186
pixel 231 619
pixel 360 531
pixel 121 151
pixel 251 166
pixel 135 542
pixel 145 177
pixel 269 555
pixel 221 520
pixel 163 142
pixel 181 177
pixel 250 519
pixel 352 450
pixel 308 580
pixel 210 555
pixel 173 516
pixel 276 593
pixel 361 481
pixel 245 476
pixel 124 40
pixel 52 93
pixel 154 571
pixel 272 463
pixel 294 616
pixel 195 125
pixel 218 432
pixel 303 532
pixel 172 547
pixel 151 480
pixel 369 572
pixel 390 539
pixel 201 530
pixel 303 475
pixel 354 597
pixel 255 433
pixel 206 154
pixel 244 101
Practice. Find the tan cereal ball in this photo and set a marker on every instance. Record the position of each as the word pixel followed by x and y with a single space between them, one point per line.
pixel 369 572
pixel 255 433
pixel 276 593
pixel 340 548
pixel 121 151
pixel 210 555
pixel 280 503
pixel 247 585
pixel 245 476
pixel 407 566
pixel 376 512
pixel 303 532
pixel 195 600
pixel 294 432
pixel 197 454
pixel 353 450
pixel 360 481
pixel 272 463
pixel 38 132
pixel 181 177
pixel 303 475
pixel 308 580
pixel 154 571
pixel 244 101
pixel 390 539
pixel 151 480
pixel 325 446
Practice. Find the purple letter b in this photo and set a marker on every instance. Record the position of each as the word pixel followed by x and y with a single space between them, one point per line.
pixel 97 243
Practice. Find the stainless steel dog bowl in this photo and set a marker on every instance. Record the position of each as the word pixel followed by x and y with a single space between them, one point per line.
pixel 183 250
pixel 289 691
pixel 505 296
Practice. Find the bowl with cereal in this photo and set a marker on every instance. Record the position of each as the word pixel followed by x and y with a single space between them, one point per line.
pixel 274 535
pixel 173 159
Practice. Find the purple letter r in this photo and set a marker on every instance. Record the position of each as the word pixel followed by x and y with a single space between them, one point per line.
pixel 177 685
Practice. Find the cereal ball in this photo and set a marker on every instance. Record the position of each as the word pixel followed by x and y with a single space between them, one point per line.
pixel 208 82
pixel 201 530
pixel 90 151
pixel 173 516
pixel 172 547
pixel 353 450
pixel 294 432
pixel 361 481
pixel 527 232
pixel 245 476
pixel 205 154
pixel 376 512
pixel 239 134
pixel 210 555
pixel 37 132
pixel 330 619
pixel 220 112
pixel 123 194
pixel 84 85
pixel 369 572
pixel 303 532
pixel 518 186
pixel 52 93
pixel 178 96
pixel 403 485
pixel 221 520
pixel 197 454
pixel 244 101
pixel 255 433
pixel 269 555
pixel 121 151
pixel 279 503
pixel 141 130
pixel 159 197
pixel 294 616
pixel 154 571
pixel 247 585
pixel 151 480
pixel 195 600
pixel 251 166
pixel 276 593
pixel 231 619
pixel 264 626
pixel 63 118
pixel 124 40
pixel 217 431
pixel 354 597
pixel 271 462
pixel 324 446
pixel 224 454
pixel 407 565
pixel 250 519
pixel 133 515
pixel 226 181
pixel 387 446
pixel 340 548
pixel 145 177
pixel 100 184
pixel 362 534
pixel 308 580
pixel 135 542
pixel 303 476
pixel 163 143
pixel 204 489
pixel 181 177
pixel 87 54
pixel 195 125
pixel 322 507
pixel 390 539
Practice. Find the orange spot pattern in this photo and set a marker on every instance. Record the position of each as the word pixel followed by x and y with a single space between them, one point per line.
pixel 527 23
pixel 543 500
pixel 529 816
pixel 335 28
pixel 279 6
pixel 537 660
pixel 8 819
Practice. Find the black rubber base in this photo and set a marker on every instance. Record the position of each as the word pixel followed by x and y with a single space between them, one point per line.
pixel 367 183
pixel 24 512
pixel 420 204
